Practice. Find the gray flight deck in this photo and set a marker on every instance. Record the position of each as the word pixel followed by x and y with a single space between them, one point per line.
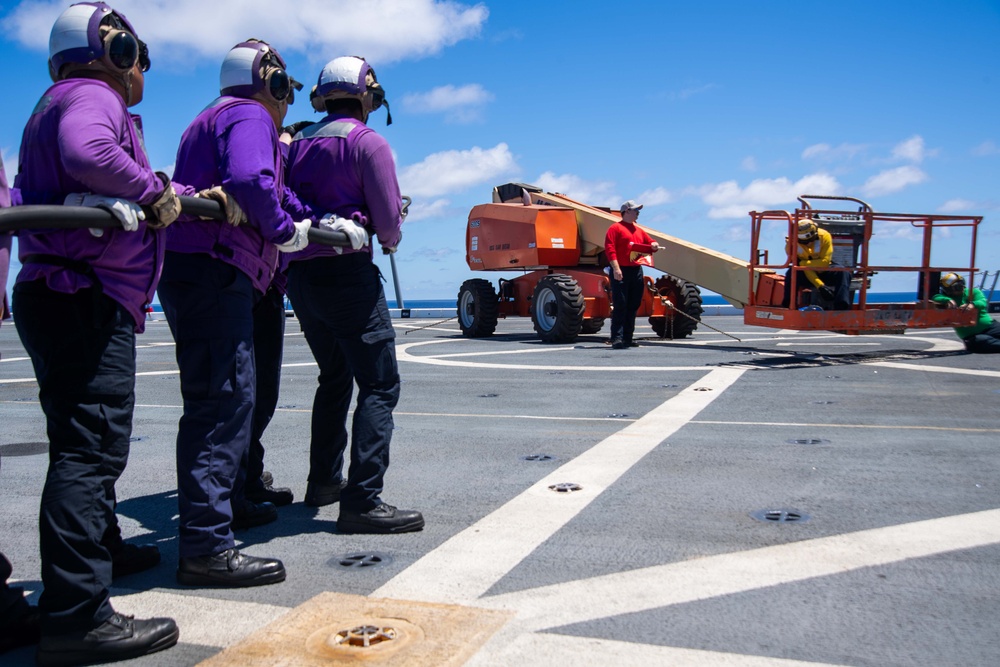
pixel 608 507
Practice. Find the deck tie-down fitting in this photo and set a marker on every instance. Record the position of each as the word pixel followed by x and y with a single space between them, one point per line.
pixel 565 487
pixel 365 636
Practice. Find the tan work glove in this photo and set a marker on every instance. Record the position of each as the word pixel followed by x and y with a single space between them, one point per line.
pixel 167 206
pixel 234 214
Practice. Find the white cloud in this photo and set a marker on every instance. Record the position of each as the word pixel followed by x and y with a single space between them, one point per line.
pixel 423 211
pixel 729 200
pixel 737 233
pixel 986 148
pixel 454 171
pixel 826 153
pixel 893 180
pixel 956 206
pixel 594 193
pixel 381 30
pixel 434 254
pixel 655 197
pixel 461 104
pixel 688 93
pixel 749 163
pixel 891 229
pixel 912 150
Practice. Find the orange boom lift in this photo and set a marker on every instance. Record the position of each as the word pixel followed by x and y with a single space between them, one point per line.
pixel 558 243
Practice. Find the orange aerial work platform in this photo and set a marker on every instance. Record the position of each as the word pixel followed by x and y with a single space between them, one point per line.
pixel 852 232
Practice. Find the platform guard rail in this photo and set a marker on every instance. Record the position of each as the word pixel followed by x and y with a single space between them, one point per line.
pixel 764 309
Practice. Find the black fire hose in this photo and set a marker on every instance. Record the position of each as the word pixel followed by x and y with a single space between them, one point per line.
pixel 82 217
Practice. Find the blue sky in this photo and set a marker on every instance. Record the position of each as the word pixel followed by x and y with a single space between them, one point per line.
pixel 704 110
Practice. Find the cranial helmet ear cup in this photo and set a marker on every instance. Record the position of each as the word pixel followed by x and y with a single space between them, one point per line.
pixel 277 84
pixel 121 50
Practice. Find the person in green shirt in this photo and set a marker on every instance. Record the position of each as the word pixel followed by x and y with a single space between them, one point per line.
pixel 984 335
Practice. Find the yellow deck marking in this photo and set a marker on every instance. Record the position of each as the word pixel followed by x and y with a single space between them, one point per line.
pixel 415 634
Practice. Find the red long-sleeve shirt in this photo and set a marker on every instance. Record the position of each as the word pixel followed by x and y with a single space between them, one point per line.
pixel 618 238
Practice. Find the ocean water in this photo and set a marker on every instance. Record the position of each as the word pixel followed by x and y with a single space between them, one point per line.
pixel 707 299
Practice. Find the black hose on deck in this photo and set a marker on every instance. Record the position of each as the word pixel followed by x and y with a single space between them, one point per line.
pixel 82 217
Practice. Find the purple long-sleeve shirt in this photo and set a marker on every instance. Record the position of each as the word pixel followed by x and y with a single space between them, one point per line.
pixel 5 245
pixel 234 143
pixel 341 166
pixel 81 138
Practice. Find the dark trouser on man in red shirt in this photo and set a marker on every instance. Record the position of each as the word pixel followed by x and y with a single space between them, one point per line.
pixel 626 296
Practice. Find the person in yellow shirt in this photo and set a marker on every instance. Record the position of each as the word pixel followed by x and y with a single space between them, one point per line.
pixel 815 250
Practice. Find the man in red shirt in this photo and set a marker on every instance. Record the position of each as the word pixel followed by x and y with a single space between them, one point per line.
pixel 626 273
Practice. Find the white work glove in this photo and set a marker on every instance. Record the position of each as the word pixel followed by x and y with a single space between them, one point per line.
pixel 356 234
pixel 128 213
pixel 299 240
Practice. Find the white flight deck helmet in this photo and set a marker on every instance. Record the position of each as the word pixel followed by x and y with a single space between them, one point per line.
pixel 77 38
pixel 350 77
pixel 254 66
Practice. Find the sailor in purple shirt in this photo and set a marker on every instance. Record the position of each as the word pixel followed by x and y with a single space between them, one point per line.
pixel 5 245
pixel 79 299
pixel 345 170
pixel 214 275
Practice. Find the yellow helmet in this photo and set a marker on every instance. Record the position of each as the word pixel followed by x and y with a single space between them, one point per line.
pixel 807 230
pixel 952 281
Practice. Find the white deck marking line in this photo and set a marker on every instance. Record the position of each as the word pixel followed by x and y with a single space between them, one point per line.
pixel 198 617
pixel 488 353
pixel 725 574
pixel 543 650
pixel 935 369
pixel 464 567
pixel 12 359
pixel 403 354
pixel 830 344
pixel 890 427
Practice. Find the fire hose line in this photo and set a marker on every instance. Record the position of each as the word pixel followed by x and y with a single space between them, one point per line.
pixel 674 309
pixel 432 324
pixel 81 217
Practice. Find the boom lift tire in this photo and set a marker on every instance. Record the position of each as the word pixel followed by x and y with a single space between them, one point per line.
pixel 557 309
pixel 592 325
pixel 686 297
pixel 478 308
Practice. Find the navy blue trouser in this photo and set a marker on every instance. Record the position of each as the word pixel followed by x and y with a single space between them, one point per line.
pixel 13 605
pixel 85 365
pixel 986 341
pixel 342 308
pixel 268 347
pixel 209 306
pixel 838 281
pixel 626 297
